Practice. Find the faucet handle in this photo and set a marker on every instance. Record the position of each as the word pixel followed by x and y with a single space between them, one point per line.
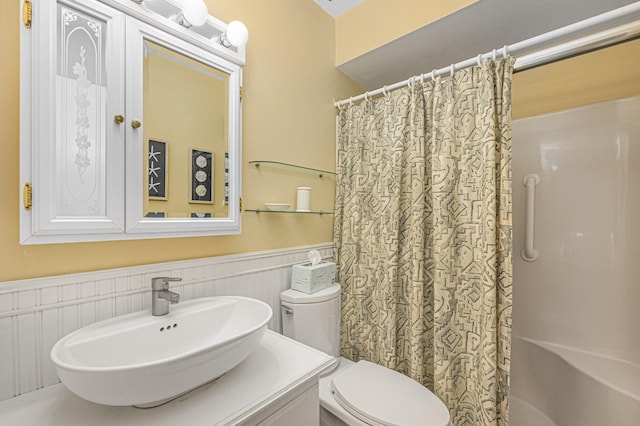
pixel 162 283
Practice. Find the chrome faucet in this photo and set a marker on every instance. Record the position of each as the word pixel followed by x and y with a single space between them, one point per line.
pixel 161 297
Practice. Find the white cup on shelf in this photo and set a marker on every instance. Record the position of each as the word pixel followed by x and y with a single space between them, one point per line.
pixel 304 199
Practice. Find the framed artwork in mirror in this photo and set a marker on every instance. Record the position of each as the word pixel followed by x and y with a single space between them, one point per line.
pixel 226 178
pixel 157 170
pixel 201 173
pixel 154 214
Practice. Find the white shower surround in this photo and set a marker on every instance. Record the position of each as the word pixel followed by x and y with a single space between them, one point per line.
pixel 573 387
pixel 575 315
pixel 35 313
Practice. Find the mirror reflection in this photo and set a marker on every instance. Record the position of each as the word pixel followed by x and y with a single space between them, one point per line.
pixel 185 104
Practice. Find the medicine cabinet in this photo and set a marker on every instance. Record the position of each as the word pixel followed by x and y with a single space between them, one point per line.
pixel 130 123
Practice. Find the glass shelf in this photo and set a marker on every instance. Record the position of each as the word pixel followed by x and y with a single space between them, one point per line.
pixel 286 211
pixel 295 166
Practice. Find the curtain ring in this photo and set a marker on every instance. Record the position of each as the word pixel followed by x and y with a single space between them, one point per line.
pixel 421 78
pixel 384 90
pixel 433 74
pixel 494 54
pixel 452 70
pixel 504 52
pixel 351 101
pixel 480 59
pixel 366 96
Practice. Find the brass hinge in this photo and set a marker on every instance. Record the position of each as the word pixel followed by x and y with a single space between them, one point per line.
pixel 240 204
pixel 241 93
pixel 27 196
pixel 27 14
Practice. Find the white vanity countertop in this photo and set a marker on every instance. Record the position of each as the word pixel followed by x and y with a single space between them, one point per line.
pixel 275 367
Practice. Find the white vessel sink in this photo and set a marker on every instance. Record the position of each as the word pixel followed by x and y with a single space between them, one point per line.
pixel 142 360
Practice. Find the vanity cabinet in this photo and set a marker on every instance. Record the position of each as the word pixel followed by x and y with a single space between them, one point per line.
pixel 275 385
pixel 300 407
pixel 87 124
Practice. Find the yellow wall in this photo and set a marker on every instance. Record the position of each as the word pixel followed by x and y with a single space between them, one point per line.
pixel 374 23
pixel 607 74
pixel 290 82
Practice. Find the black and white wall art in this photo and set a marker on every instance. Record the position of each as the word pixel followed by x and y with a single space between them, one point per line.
pixel 157 170
pixel 201 172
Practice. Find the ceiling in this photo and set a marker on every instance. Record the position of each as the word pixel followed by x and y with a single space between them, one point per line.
pixel 336 8
pixel 477 28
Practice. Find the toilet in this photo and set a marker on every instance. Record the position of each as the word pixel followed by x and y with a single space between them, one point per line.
pixel 361 393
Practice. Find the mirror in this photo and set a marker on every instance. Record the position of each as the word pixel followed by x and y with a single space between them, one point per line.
pixel 185 136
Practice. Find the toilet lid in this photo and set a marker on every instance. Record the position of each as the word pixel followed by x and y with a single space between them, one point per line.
pixel 382 397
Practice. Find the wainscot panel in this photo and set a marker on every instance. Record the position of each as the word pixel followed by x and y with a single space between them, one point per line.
pixel 35 313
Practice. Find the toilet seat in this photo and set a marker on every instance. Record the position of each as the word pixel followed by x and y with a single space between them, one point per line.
pixel 382 397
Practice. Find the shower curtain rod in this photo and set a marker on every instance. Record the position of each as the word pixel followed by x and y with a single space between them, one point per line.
pixel 541 55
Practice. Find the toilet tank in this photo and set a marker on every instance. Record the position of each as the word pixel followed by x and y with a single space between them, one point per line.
pixel 313 319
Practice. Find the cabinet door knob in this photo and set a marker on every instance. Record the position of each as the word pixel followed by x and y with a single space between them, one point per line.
pixel 118 119
pixel 135 124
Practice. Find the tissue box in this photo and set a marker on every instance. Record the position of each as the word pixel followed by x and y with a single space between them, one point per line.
pixel 311 278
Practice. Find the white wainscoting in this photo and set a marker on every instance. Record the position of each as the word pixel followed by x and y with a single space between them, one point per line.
pixel 35 313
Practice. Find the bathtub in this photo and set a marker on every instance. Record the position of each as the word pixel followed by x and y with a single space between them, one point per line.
pixel 554 384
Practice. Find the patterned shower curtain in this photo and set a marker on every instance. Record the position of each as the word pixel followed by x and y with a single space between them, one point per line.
pixel 423 236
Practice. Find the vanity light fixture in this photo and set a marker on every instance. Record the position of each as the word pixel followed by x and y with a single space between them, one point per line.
pixel 194 13
pixel 236 35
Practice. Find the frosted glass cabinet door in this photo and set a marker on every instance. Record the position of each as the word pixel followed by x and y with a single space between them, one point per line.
pixel 78 151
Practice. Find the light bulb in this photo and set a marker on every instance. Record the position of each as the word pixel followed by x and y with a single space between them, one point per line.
pixel 194 12
pixel 237 34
